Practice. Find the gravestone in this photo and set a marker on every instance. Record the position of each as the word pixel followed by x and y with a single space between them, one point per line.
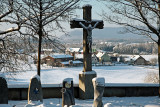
pixel 3 90
pixel 85 77
pixel 99 85
pixel 35 90
pixel 68 93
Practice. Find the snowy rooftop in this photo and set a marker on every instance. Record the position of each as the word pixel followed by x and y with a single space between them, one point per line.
pixel 87 5
pixel 79 56
pixel 146 57
pixel 74 62
pixel 100 54
pixel 61 56
pixel 73 49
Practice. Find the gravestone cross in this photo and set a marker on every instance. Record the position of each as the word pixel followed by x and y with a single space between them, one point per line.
pixel 86 90
pixel 88 25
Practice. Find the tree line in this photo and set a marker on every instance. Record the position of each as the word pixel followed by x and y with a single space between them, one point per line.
pixel 134 48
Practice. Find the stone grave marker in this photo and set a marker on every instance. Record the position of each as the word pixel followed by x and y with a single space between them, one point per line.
pixel 35 90
pixel 99 85
pixel 68 93
pixel 3 90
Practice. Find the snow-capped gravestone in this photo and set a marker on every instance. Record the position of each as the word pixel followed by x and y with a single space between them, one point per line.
pixel 85 77
pixel 68 93
pixel 99 85
pixel 35 94
pixel 3 90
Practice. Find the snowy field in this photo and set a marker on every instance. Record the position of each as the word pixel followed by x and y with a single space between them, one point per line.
pixel 107 101
pixel 112 74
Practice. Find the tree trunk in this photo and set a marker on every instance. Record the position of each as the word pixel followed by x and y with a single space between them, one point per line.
pixel 40 40
pixel 159 64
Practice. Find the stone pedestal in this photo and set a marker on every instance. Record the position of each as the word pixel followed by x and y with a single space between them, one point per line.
pixel 86 90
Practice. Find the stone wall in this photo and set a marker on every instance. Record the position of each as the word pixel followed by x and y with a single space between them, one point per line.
pixel 54 91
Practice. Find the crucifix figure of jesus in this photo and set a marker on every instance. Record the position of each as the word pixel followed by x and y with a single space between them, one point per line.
pixel 89 29
pixel 88 25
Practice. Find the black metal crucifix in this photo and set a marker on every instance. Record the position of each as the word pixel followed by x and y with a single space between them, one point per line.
pixel 88 25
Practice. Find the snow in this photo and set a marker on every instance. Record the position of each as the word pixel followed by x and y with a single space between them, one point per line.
pixel 75 19
pixel 5 105
pixel 118 75
pixel 112 74
pixel 87 5
pixel 146 57
pixel 47 50
pixel 74 62
pixel 100 81
pixel 88 72
pixel 68 80
pixel 79 56
pixel 77 62
pixel 100 54
pixel 61 56
pixel 107 101
pixel 73 49
pixel 37 76
pixel 35 104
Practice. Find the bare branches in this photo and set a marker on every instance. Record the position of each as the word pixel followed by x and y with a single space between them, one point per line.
pixel 140 16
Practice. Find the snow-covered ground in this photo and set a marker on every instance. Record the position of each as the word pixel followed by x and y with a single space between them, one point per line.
pixel 107 101
pixel 112 74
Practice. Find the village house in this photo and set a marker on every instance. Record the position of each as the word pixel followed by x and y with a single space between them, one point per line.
pixel 94 59
pixel 60 60
pixel 137 60
pixel 72 51
pixel 103 58
pixel 47 51
pixel 79 57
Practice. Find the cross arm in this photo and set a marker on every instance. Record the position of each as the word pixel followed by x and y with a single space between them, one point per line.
pixel 74 23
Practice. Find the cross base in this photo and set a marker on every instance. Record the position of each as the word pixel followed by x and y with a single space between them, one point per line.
pixel 86 90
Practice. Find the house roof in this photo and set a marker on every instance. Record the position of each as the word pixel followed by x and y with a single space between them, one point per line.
pixel 146 57
pixel 61 56
pixel 74 62
pixel 100 54
pixel 50 50
pixel 79 56
pixel 73 49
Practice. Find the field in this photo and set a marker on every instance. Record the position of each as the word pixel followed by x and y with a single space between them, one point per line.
pixel 112 74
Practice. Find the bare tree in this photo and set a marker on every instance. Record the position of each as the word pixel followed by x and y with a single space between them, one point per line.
pixel 138 17
pixel 9 56
pixel 42 18
pixel 154 61
pixel 6 16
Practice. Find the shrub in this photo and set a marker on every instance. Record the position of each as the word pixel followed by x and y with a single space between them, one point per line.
pixel 151 77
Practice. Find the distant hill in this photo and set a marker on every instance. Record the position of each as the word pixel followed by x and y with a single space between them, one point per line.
pixel 108 33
